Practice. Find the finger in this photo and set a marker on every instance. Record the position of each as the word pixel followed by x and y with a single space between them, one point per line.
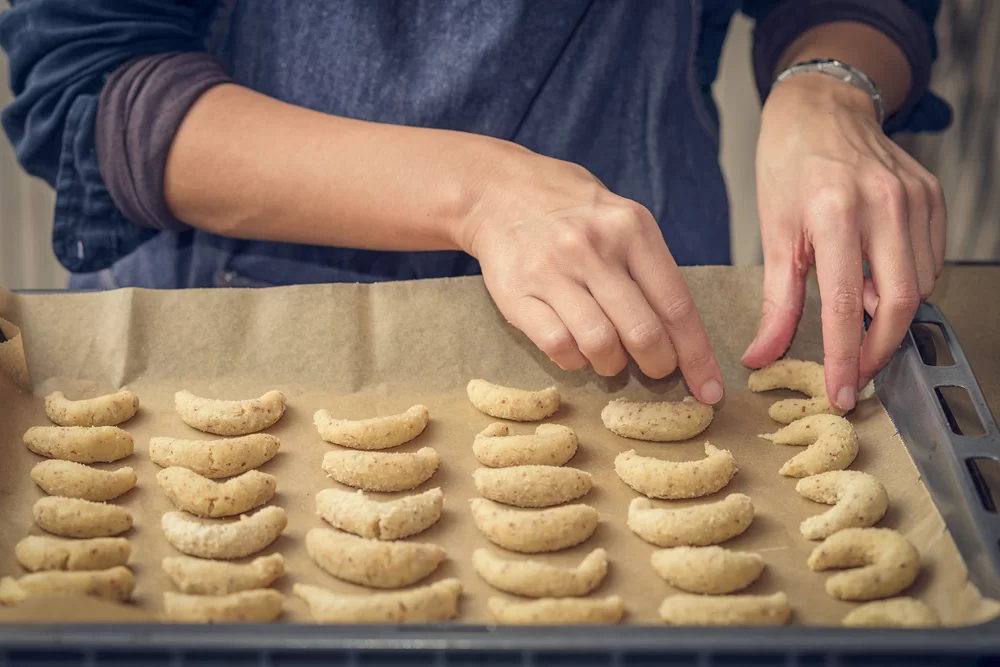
pixel 655 272
pixel 938 210
pixel 783 293
pixel 894 274
pixel 837 244
pixel 542 326
pixel 938 224
pixel 869 296
pixel 595 335
pixel 918 214
pixel 639 329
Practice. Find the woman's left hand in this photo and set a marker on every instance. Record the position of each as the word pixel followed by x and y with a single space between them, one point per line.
pixel 834 189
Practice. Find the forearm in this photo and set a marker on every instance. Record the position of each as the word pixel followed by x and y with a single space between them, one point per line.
pixel 245 165
pixel 861 46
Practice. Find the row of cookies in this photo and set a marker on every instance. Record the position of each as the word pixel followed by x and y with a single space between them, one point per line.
pixel 367 543
pixel 82 551
pixel 879 563
pixel 690 556
pixel 528 508
pixel 210 482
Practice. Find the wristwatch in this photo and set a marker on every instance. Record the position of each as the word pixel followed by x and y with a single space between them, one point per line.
pixel 842 71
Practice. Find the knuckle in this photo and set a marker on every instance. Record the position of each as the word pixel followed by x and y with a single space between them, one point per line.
pixel 644 336
pixel 578 171
pixel 904 298
pixel 926 288
pixel 622 218
pixel 935 190
pixel 679 310
pixel 698 360
pixel 640 212
pixel 771 307
pixel 832 207
pixel 889 191
pixel 558 343
pixel 846 303
pixel 842 359
pixel 571 239
pixel 599 341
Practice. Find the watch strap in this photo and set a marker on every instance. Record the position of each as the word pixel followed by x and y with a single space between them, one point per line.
pixel 844 72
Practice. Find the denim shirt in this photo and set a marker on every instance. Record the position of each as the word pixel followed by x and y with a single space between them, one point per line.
pixel 622 88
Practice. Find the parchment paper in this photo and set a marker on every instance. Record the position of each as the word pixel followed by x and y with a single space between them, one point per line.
pixel 374 350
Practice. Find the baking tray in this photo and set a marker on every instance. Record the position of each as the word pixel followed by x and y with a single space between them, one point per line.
pixel 908 387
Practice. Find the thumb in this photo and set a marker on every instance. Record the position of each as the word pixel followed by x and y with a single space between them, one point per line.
pixel 784 290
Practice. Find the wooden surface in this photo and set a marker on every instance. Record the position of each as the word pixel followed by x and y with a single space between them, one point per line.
pixel 969 296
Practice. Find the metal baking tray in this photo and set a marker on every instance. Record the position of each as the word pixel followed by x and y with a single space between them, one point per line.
pixel 908 387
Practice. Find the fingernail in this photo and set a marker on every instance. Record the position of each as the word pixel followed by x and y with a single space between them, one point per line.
pixel 711 391
pixel 749 349
pixel 846 397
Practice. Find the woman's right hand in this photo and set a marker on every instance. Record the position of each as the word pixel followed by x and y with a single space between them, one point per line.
pixel 585 274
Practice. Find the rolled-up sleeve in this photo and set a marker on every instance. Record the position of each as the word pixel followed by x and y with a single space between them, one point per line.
pixel 61 52
pixel 909 23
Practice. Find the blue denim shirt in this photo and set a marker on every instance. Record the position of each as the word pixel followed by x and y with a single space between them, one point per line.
pixel 62 51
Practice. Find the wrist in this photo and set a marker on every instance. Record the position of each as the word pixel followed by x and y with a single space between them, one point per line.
pixel 865 48
pixel 489 188
pixel 510 184
pixel 816 89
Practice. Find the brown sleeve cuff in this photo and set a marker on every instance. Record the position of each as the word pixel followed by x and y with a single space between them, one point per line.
pixel 141 106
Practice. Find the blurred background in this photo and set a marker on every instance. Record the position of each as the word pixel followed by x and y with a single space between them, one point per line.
pixel 966 158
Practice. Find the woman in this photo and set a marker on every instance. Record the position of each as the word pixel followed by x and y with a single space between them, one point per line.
pixel 567 149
